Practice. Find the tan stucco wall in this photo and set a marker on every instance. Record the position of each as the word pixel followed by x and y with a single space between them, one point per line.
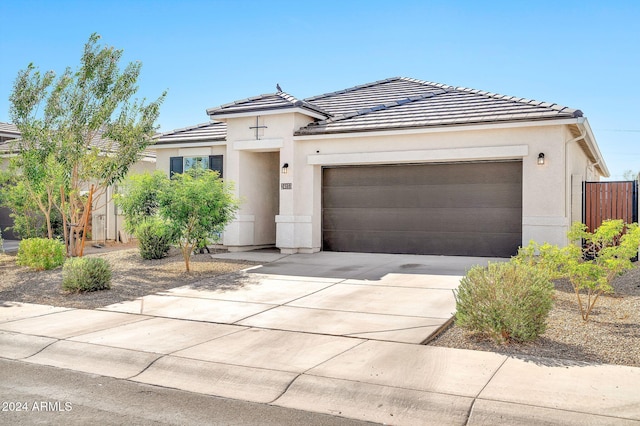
pixel 545 213
pixel 551 195
pixel 254 166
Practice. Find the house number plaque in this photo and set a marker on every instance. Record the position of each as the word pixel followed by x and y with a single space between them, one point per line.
pixel 286 185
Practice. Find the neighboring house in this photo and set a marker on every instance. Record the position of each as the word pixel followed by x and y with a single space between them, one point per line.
pixel 8 132
pixel 106 221
pixel 395 166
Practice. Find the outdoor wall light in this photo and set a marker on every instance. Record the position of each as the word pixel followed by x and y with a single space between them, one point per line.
pixel 285 168
pixel 541 159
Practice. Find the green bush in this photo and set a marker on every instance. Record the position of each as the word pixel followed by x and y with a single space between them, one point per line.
pixel 506 301
pixel 86 274
pixel 41 253
pixel 154 238
pixel 591 261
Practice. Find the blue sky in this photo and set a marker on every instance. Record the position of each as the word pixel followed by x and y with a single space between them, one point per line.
pixel 581 54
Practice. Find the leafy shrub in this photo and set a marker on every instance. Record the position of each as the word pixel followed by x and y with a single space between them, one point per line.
pixel 590 262
pixel 41 253
pixel 506 301
pixel 138 197
pixel 154 238
pixel 86 274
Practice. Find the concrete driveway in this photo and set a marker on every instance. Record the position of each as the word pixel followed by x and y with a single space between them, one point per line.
pixel 397 298
pixel 333 333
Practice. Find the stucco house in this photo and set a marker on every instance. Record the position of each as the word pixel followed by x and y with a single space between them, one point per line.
pixel 107 222
pixel 394 166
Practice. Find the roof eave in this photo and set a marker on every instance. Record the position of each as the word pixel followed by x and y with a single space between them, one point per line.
pixel 221 115
pixel 444 127
pixel 188 143
pixel 590 141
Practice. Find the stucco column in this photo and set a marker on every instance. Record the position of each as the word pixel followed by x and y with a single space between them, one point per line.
pixel 293 227
pixel 239 232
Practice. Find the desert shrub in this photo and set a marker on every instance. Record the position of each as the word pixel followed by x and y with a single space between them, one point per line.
pixel 86 274
pixel 590 262
pixel 138 197
pixel 506 301
pixel 154 238
pixel 41 253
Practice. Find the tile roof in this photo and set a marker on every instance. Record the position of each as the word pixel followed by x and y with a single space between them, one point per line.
pixel 212 131
pixel 390 104
pixel 9 129
pixel 267 102
pixel 400 103
pixel 97 141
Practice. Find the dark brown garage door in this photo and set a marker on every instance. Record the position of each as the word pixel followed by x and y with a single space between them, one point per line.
pixel 463 209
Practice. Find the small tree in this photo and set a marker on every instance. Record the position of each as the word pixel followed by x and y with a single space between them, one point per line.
pixel 193 205
pixel 196 204
pixel 89 124
pixel 591 267
pixel 35 178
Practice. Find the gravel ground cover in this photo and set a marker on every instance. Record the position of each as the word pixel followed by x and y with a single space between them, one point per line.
pixel 132 277
pixel 611 336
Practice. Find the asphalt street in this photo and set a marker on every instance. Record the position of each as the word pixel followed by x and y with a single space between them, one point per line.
pixel 34 395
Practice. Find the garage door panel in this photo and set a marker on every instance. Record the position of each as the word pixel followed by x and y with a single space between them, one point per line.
pixel 446 244
pixel 470 209
pixel 426 220
pixel 426 196
pixel 434 174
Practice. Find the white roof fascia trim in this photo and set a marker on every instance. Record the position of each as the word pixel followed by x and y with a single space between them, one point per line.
pixel 188 144
pixel 593 147
pixel 223 116
pixel 504 152
pixel 188 138
pixel 440 129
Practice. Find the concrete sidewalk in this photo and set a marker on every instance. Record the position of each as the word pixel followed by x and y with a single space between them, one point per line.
pixel 276 337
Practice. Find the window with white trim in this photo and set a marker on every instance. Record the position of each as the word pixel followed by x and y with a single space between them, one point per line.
pixel 182 164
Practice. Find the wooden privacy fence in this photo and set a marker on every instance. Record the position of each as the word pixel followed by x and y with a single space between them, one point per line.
pixel 609 200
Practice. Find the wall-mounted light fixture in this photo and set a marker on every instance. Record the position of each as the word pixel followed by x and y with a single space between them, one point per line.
pixel 285 168
pixel 541 159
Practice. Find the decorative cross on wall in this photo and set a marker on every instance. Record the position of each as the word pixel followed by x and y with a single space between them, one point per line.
pixel 257 127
